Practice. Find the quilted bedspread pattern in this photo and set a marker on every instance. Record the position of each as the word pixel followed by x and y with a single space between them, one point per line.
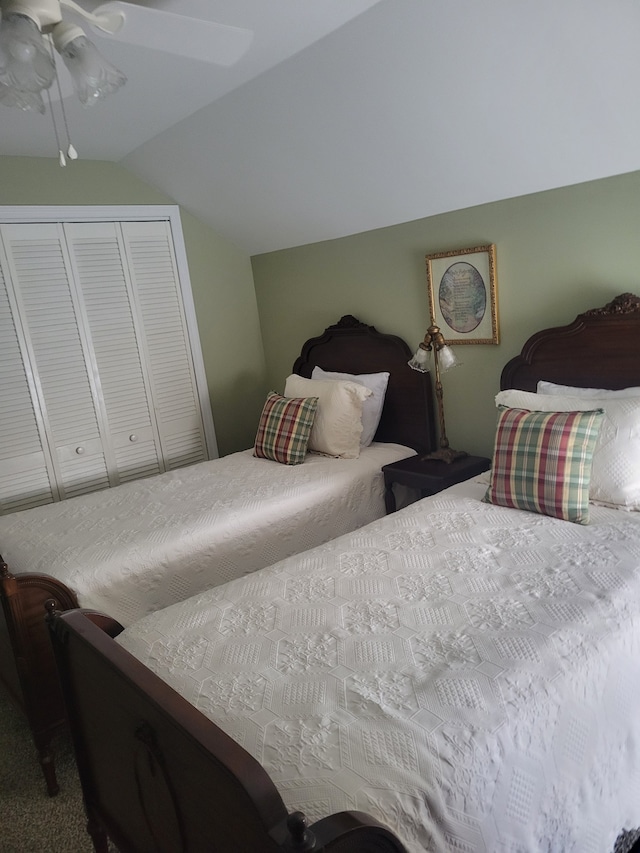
pixel 468 674
pixel 135 548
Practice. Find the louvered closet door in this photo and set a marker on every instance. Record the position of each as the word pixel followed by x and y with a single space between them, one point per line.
pixel 26 472
pixel 154 276
pixel 100 270
pixel 39 267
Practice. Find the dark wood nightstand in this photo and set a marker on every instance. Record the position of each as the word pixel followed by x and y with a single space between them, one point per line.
pixel 429 476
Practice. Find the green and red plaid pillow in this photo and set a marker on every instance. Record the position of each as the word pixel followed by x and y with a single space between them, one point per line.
pixel 284 428
pixel 542 462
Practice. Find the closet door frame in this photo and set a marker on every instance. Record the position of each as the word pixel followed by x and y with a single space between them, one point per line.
pixel 10 214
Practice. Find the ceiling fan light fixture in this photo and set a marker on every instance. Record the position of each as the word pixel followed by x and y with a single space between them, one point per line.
pixel 27 101
pixel 25 62
pixel 44 13
pixel 32 32
pixel 93 76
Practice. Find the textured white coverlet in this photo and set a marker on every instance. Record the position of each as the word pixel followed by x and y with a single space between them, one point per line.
pixel 144 545
pixel 469 674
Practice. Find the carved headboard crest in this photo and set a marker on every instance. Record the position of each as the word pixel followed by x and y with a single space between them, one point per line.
pixel 348 321
pixel 625 303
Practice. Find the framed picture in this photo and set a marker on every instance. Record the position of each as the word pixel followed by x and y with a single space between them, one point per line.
pixel 462 295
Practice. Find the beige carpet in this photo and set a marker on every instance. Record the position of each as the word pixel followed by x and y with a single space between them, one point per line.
pixel 31 821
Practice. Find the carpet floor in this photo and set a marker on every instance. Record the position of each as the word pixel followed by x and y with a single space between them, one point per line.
pixel 31 821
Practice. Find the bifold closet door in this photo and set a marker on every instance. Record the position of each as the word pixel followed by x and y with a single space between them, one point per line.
pixel 174 392
pixel 98 382
pixel 107 311
pixel 56 355
pixel 127 275
pixel 27 477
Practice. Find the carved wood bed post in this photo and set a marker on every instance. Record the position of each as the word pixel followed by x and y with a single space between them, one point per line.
pixel 28 673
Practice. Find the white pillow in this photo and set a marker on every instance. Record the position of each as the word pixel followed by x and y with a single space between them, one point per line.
pixel 615 474
pixel 551 388
pixel 372 406
pixel 338 423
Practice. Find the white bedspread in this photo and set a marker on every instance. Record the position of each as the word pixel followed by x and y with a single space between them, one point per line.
pixel 143 545
pixel 468 674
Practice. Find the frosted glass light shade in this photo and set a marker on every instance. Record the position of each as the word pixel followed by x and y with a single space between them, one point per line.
pixel 420 360
pixel 23 100
pixel 94 77
pixel 445 355
pixel 25 61
pixel 447 358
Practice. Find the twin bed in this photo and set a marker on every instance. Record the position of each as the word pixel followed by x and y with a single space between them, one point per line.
pixel 464 673
pixel 143 545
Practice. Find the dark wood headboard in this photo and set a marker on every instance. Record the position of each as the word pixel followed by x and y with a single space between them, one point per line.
pixel 350 346
pixel 600 349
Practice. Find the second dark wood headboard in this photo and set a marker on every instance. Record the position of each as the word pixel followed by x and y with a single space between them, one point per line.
pixel 599 349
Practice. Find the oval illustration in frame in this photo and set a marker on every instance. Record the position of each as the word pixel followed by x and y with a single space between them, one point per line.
pixel 462 297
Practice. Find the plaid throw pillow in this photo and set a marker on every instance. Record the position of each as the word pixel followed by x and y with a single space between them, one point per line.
pixel 284 428
pixel 542 462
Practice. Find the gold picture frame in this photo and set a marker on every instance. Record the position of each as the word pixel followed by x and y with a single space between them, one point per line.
pixel 462 288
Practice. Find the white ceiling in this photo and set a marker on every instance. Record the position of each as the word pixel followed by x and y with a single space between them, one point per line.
pixel 349 115
pixel 163 88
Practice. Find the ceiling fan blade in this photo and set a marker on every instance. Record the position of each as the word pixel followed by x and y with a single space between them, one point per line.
pixel 193 38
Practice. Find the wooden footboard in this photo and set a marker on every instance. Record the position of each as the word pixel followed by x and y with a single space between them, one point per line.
pixel 27 666
pixel 158 775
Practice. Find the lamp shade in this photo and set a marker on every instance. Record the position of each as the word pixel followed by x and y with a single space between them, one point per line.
pixel 94 77
pixel 23 100
pixel 447 358
pixel 26 65
pixel 420 360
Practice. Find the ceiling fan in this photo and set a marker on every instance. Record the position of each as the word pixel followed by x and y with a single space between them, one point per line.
pixel 159 29
pixel 144 26
pixel 29 29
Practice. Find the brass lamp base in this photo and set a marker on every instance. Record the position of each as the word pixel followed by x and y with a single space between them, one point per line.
pixel 445 454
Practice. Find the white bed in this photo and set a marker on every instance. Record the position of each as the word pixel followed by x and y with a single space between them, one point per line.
pixel 466 670
pixel 466 673
pixel 144 545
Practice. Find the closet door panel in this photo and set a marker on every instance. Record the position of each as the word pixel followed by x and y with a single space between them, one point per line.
pixel 100 272
pixel 99 383
pixel 160 308
pixel 26 476
pixel 41 274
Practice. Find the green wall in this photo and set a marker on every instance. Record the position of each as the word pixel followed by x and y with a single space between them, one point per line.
pixel 558 253
pixel 221 280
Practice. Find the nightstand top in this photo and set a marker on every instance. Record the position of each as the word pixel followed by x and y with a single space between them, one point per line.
pixel 433 474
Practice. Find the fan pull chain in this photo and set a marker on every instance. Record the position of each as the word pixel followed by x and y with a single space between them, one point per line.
pixel 61 158
pixel 72 154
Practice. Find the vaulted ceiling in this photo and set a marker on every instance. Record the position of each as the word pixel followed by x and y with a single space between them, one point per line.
pixel 348 115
